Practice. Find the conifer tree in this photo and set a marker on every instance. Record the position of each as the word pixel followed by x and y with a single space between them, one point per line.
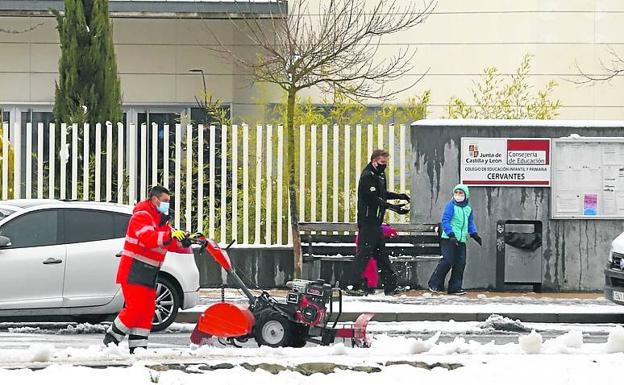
pixel 105 92
pixel 88 88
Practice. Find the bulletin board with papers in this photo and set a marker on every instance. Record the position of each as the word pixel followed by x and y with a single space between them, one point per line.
pixel 587 178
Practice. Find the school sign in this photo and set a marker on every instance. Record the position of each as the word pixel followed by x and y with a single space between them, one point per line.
pixel 505 162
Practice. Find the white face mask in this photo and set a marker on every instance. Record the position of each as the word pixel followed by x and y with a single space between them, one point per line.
pixel 459 198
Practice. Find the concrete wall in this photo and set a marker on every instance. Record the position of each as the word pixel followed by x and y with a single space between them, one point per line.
pixel 257 267
pixel 574 251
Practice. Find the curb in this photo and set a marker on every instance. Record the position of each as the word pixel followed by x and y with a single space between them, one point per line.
pixel 193 317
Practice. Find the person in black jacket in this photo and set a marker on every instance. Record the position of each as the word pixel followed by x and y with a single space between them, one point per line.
pixel 372 204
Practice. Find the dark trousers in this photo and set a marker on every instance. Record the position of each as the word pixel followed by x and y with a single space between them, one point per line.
pixel 371 243
pixel 454 259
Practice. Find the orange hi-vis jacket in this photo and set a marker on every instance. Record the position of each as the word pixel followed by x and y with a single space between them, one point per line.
pixel 147 240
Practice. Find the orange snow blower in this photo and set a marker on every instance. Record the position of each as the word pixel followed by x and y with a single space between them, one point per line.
pixel 305 315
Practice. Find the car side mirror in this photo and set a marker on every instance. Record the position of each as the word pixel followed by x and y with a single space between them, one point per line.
pixel 4 241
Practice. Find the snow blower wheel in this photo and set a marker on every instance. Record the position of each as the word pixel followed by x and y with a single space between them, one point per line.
pixel 299 336
pixel 272 329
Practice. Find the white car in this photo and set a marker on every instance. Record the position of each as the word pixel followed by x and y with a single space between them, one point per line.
pixel 59 258
pixel 614 272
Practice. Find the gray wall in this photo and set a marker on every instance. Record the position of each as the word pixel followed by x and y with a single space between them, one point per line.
pixel 574 251
pixel 258 267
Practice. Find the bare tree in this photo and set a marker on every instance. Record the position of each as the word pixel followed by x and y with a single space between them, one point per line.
pixel 15 32
pixel 613 68
pixel 334 47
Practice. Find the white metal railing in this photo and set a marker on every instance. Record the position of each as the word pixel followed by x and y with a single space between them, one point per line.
pixel 227 181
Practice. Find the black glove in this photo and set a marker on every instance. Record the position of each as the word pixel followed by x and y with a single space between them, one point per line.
pixel 477 238
pixel 404 197
pixel 453 240
pixel 399 209
pixel 186 242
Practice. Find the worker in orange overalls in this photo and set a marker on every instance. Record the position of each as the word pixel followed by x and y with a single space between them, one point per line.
pixel 148 238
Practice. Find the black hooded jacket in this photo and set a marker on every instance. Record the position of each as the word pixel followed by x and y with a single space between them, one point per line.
pixel 372 196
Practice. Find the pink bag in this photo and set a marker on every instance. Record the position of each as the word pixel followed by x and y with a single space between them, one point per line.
pixel 370 272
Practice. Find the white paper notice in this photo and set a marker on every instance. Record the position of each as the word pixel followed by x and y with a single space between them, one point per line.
pixel 611 154
pixel 609 205
pixel 568 203
pixel 620 203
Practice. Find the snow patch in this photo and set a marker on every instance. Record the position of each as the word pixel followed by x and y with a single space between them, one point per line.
pixel 458 345
pixel 40 353
pixel 498 322
pixel 531 343
pixel 339 349
pixel 572 339
pixel 421 346
pixel 562 344
pixel 615 342
pixel 85 328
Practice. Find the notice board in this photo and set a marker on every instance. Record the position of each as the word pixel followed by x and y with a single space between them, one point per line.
pixel 519 162
pixel 588 178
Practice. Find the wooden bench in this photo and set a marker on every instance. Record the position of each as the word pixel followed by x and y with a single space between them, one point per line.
pixel 333 244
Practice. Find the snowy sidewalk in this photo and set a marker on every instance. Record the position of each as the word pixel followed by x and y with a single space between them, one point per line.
pixel 475 306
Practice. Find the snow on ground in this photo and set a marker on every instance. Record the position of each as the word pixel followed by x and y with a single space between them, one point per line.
pixel 81 328
pixel 495 323
pixel 428 303
pixel 519 370
pixel 562 360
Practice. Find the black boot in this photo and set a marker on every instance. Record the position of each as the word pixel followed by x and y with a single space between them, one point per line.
pixel 391 283
pixel 369 291
pixel 136 342
pixel 397 290
pixel 109 338
pixel 358 289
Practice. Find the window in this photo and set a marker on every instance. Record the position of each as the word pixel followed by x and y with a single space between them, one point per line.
pixel 200 115
pixel 160 118
pixel 39 228
pixel 120 222
pixel 87 225
pixel 36 117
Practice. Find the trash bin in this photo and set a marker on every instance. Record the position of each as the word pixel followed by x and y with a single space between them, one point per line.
pixel 519 253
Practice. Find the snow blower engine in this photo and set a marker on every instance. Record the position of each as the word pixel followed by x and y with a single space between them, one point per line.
pixel 309 300
pixel 309 313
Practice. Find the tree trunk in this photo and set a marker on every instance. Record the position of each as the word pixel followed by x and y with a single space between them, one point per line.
pixel 292 188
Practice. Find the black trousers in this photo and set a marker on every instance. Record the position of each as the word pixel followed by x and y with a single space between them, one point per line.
pixel 372 243
pixel 454 259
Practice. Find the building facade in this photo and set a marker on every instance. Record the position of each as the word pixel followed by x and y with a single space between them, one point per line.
pixel 163 51
pixel 158 42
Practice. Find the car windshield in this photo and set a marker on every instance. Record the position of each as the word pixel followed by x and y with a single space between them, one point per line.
pixel 4 212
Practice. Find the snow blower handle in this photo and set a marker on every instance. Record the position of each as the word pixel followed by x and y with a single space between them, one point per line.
pixel 221 257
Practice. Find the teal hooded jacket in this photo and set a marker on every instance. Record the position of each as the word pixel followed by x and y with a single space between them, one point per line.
pixel 457 218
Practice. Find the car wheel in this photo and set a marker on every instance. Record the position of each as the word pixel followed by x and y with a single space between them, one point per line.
pixel 272 329
pixel 167 304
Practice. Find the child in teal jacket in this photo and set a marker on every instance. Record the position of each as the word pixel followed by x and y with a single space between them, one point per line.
pixel 457 225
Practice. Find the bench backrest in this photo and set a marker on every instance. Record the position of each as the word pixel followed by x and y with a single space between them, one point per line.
pixel 334 238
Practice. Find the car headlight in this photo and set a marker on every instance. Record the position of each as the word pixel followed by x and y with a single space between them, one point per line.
pixel 610 259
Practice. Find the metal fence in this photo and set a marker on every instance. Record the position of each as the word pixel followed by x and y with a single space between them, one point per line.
pixel 227 181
